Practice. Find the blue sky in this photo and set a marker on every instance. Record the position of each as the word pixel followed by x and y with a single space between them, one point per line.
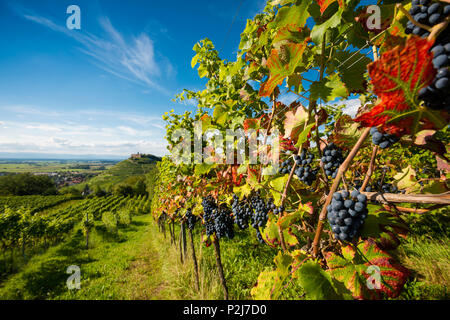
pixel 102 89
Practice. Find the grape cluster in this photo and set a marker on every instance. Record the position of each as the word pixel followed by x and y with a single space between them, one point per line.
pixel 429 13
pixel 191 219
pixel 303 170
pixel 223 222
pixel 261 214
pixel 209 206
pixel 346 214
pixel 332 159
pixel 217 219
pixel 242 212
pixel 383 140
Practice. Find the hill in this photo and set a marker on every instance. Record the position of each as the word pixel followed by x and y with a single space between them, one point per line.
pixel 127 171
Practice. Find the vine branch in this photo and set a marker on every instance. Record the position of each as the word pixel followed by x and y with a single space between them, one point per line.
pixel 344 166
pixel 443 198
pixel 370 169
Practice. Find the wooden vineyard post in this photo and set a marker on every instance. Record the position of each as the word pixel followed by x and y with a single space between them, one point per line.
pixel 87 230
pixel 194 258
pixel 164 228
pixel 183 237
pixel 173 232
pixel 181 243
pixel 219 267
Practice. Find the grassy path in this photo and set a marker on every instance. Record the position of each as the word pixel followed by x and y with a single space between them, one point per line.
pixel 135 264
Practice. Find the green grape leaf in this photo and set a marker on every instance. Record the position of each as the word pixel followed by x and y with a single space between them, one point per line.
pixel 270 283
pixel 376 227
pixel 320 29
pixel 317 283
pixel 303 136
pixel 277 186
pixel 294 15
pixel 328 89
pixel 295 122
pixel 263 288
pixel 204 168
pixel 352 66
pixel 220 115
pixel 271 234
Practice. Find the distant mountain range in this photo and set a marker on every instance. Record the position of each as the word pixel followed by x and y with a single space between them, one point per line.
pixel 56 156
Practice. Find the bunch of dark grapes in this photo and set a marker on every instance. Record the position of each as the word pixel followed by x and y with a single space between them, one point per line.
pixel 242 212
pixel 429 13
pixel 209 206
pixel 332 159
pixel 191 219
pixel 261 214
pixel 223 222
pixel 303 169
pixel 346 214
pixel 383 140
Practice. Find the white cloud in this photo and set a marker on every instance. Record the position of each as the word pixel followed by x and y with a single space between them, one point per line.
pixel 351 106
pixel 130 59
pixel 287 98
pixel 29 110
pixel 109 133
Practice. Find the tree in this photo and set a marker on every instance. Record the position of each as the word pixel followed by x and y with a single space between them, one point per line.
pixel 27 184
pixel 123 190
pixel 140 188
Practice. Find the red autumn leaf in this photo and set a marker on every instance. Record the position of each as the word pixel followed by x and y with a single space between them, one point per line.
pixel 286 144
pixel 280 67
pixel 397 77
pixel 352 269
pixel 237 178
pixel 325 3
pixel 251 124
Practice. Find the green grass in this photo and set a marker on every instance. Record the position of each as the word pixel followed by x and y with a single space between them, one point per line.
pixel 429 261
